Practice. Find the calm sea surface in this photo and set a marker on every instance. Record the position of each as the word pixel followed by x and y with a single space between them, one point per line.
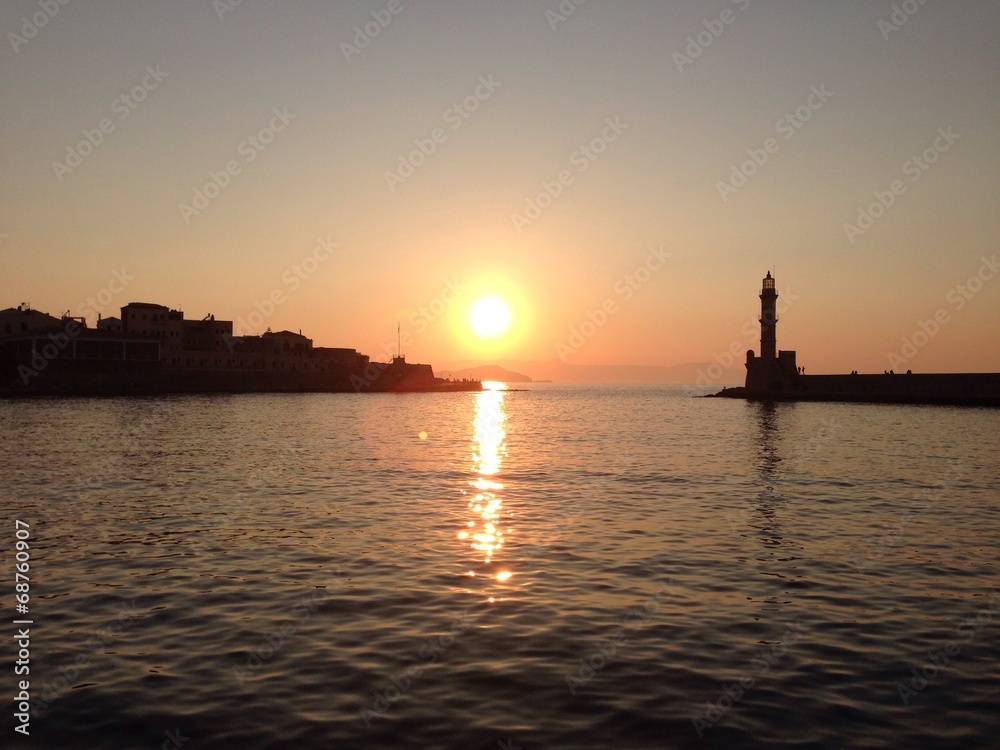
pixel 552 567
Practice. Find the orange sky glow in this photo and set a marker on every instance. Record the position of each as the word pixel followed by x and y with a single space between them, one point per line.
pixel 620 195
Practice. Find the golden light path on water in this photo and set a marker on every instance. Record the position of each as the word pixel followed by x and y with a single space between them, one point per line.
pixel 489 448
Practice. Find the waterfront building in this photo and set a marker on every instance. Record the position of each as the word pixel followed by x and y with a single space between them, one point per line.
pixel 23 319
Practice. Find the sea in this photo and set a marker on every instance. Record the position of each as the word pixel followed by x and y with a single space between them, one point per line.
pixel 526 567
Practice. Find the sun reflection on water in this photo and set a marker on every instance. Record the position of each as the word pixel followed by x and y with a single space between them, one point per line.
pixel 489 448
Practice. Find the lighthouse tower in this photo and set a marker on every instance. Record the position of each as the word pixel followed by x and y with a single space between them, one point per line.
pixel 773 371
pixel 768 319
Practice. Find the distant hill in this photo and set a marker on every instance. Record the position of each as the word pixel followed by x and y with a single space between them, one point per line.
pixel 485 372
pixel 562 372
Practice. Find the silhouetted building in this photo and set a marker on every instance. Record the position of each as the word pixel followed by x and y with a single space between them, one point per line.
pixel 23 319
pixel 159 322
pixel 339 357
pixel 32 339
pixel 68 349
pixel 109 324
pixel 185 343
pixel 153 349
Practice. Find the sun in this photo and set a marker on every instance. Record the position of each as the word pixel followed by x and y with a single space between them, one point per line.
pixel 489 317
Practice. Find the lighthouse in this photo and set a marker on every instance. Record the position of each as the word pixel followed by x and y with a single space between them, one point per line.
pixel 773 371
pixel 768 318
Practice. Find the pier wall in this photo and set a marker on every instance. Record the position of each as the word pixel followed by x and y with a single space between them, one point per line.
pixel 921 388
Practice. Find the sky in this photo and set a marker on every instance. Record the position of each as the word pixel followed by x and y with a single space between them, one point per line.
pixel 621 175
